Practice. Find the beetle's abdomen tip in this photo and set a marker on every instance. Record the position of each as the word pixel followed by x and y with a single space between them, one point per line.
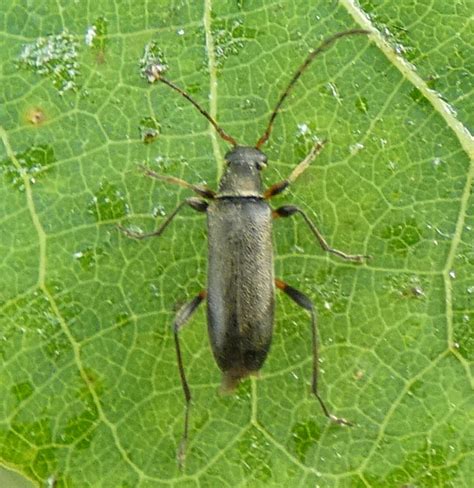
pixel 232 378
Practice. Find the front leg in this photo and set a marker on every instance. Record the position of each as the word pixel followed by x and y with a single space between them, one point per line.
pixel 202 191
pixel 281 186
pixel 289 210
pixel 195 203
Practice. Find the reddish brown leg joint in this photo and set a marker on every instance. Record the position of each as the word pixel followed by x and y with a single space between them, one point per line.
pixel 276 189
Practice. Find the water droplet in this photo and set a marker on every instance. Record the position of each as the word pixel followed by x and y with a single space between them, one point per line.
pixel 391 165
pixel 406 286
pixel 88 257
pixel 303 129
pixel 228 39
pixel 332 89
pixel 55 57
pixel 158 211
pixel 418 291
pixel 91 33
pixel 134 229
pixel 248 105
pixel 305 138
pixel 160 161
pixel 155 290
pixel 355 148
pixel 399 48
pixel 442 233
pixel 108 203
pixel 51 481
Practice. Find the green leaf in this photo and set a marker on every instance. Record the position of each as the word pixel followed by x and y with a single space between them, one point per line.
pixel 90 391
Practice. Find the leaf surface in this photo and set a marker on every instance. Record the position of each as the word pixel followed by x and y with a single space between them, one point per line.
pixel 90 391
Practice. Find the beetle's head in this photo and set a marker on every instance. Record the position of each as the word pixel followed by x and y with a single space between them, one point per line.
pixel 246 156
pixel 242 175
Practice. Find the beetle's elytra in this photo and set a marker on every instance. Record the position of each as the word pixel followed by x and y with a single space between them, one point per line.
pixel 241 283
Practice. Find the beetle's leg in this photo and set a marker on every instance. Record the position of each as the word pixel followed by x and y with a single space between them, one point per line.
pixel 289 210
pixel 303 301
pixel 195 203
pixel 202 191
pixel 281 186
pixel 183 315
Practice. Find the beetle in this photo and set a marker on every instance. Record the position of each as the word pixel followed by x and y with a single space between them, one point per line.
pixel 241 284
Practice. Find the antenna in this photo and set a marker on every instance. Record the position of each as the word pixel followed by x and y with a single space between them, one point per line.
pixel 323 47
pixel 154 73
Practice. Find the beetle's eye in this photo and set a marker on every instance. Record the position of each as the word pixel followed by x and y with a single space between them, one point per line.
pixel 261 164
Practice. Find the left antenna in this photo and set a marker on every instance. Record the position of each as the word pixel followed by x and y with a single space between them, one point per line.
pixel 154 74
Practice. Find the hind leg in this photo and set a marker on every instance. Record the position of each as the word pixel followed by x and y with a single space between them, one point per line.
pixel 303 301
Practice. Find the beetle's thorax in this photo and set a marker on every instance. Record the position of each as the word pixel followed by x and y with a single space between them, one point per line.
pixel 242 174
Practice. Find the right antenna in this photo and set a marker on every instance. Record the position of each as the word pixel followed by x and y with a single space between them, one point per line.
pixel 325 45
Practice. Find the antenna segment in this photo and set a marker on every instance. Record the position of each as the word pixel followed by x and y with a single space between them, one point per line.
pixel 323 47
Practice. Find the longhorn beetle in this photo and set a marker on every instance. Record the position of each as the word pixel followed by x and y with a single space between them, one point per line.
pixel 241 284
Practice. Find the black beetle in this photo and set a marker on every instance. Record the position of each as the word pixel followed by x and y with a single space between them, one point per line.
pixel 241 284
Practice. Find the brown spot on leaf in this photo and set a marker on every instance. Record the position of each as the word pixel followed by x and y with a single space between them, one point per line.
pixel 35 116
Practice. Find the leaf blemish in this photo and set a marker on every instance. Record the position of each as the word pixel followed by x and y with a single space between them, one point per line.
pixel 35 116
pixel 149 129
pixel 32 163
pixel 54 57
pixel 95 38
pixel 153 61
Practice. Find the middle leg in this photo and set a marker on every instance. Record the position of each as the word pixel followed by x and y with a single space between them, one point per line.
pixel 195 203
pixel 289 210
